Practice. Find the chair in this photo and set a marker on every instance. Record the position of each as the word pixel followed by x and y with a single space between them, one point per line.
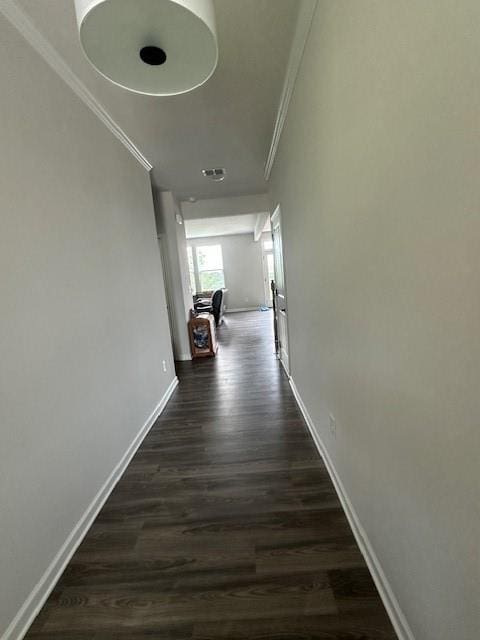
pixel 214 306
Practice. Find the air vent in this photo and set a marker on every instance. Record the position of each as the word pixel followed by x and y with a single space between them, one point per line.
pixel 217 175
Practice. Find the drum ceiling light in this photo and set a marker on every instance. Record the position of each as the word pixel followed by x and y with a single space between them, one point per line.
pixel 154 47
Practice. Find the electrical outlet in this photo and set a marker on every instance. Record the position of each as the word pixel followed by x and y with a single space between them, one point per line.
pixel 164 365
pixel 333 424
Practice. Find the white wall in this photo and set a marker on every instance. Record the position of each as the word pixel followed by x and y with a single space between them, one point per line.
pixel 83 327
pixel 243 269
pixel 378 179
pixel 178 279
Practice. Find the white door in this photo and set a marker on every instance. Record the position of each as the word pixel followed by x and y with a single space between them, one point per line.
pixel 280 289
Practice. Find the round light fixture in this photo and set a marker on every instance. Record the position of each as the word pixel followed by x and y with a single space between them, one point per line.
pixel 154 47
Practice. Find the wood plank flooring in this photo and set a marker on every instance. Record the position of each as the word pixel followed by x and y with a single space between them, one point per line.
pixel 225 526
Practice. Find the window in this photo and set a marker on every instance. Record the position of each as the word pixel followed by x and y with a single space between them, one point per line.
pixel 210 267
pixel 268 245
pixel 191 270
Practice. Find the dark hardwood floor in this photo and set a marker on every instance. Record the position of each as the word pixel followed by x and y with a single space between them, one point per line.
pixel 225 526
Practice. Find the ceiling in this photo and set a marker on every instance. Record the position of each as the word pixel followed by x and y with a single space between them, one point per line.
pixel 222 226
pixel 228 122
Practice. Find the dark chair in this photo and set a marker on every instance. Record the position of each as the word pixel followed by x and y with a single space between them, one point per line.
pixel 215 306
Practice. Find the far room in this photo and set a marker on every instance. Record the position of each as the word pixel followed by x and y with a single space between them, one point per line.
pixel 230 262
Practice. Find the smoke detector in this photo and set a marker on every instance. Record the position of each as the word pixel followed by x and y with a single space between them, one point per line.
pixel 217 175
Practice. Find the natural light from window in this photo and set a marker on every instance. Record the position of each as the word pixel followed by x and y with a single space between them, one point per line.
pixel 210 267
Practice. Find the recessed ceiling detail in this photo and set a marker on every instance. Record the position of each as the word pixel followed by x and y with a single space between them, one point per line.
pixel 220 226
pixel 153 47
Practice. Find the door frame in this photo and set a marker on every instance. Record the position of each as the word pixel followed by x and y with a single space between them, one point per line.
pixel 167 283
pixel 266 280
pixel 284 354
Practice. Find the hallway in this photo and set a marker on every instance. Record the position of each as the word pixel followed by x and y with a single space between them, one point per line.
pixel 225 525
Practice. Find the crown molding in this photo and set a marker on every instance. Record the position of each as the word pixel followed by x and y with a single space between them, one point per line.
pixel 20 20
pixel 302 29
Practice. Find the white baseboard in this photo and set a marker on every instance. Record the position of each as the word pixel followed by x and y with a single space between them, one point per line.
pixel 38 596
pixel 182 357
pixel 390 602
pixel 242 309
pixel 285 362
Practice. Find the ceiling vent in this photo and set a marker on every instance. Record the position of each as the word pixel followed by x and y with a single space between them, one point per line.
pixel 217 175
